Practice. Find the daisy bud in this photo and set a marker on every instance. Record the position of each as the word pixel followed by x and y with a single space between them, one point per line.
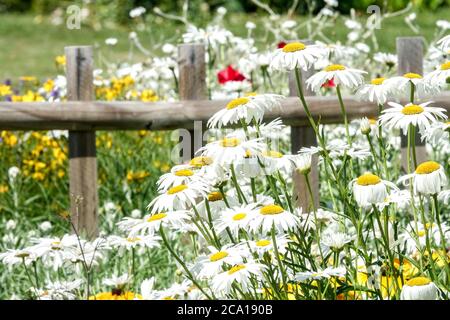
pixel 419 288
pixel 365 126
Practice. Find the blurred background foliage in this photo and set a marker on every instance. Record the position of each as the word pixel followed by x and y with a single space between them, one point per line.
pixel 117 10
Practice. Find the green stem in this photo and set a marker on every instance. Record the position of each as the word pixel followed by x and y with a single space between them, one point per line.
pixel 189 274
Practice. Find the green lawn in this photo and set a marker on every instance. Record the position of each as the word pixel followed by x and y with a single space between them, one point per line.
pixel 29 47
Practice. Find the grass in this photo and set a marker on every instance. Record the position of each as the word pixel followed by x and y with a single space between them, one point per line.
pixel 29 45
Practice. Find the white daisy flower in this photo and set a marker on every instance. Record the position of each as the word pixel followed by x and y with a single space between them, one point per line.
pixel 151 223
pixel 232 148
pixel 128 243
pixel 419 288
pixel 52 250
pixel 377 91
pixel 273 160
pixel 274 215
pixel 14 257
pixel 444 43
pixel 245 108
pixel 439 76
pixel 213 263
pixel 91 252
pixel 428 178
pixel 60 290
pixel 264 245
pixel 401 198
pixel 302 163
pixel 388 59
pixel 402 84
pixel 334 241
pixel 347 77
pixel 235 219
pixel 369 189
pixel 239 274
pixel 179 197
pixel 437 133
pixel 178 175
pixel 400 117
pixel 296 55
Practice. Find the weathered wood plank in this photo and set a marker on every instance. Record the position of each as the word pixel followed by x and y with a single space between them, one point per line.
pixel 82 149
pixel 136 115
pixel 192 86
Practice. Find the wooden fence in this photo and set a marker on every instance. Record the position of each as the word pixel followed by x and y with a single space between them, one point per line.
pixel 82 116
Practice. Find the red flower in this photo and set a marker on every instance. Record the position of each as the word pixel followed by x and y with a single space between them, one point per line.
pixel 281 44
pixel 329 84
pixel 229 74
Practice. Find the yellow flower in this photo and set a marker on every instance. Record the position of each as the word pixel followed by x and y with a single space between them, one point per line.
pixel 31 96
pixel 28 79
pixel 60 60
pixel 5 90
pixel 48 85
pixel 116 295
pixel 136 176
pixel 9 138
pixel 4 188
pixel 39 176
pixel 148 96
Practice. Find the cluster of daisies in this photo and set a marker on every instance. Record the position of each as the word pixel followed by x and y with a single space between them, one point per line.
pixel 234 218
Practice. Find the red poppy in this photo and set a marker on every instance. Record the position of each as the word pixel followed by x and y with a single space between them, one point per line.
pixel 329 84
pixel 281 44
pixel 229 74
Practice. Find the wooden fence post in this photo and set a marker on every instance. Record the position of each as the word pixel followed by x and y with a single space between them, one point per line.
pixel 304 137
pixel 410 59
pixel 82 150
pixel 192 86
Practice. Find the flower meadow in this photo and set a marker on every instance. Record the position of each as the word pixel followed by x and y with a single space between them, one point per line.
pixel 226 225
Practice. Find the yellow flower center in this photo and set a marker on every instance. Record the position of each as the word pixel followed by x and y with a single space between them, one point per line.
pixel 218 256
pixel 200 161
pixel 412 109
pixel 427 167
pixel 262 243
pixel 134 239
pixel 335 67
pixel 215 196
pixel 237 102
pixel 184 173
pixel 377 81
pixel 271 209
pixel 445 66
pixel 411 75
pixel 157 216
pixel 177 189
pixel 273 154
pixel 229 142
pixel 418 281
pixel 239 216
pixel 236 268
pixel 293 47
pixel 368 179
pixel 373 121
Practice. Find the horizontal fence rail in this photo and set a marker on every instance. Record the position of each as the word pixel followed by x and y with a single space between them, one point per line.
pixel 129 115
